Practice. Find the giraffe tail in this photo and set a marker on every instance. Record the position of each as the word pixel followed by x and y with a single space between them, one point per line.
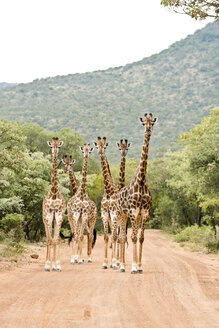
pixel 66 237
pixel 70 238
pixel 94 237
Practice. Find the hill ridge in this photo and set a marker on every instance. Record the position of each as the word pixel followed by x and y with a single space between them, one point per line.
pixel 179 85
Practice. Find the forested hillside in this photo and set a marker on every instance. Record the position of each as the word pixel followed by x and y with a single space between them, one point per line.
pixel 6 85
pixel 179 85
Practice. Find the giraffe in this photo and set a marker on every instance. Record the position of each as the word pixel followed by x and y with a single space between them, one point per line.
pixel 109 211
pixel 82 210
pixel 135 201
pixel 123 147
pixel 68 163
pixel 54 207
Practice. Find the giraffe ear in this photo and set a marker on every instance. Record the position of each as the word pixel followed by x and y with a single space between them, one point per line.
pixel 107 144
pixel 155 120
pixel 49 143
pixel 81 149
pixel 129 144
pixel 141 120
pixel 118 145
pixel 73 161
pixel 61 144
pixel 91 150
pixel 63 162
pixel 95 144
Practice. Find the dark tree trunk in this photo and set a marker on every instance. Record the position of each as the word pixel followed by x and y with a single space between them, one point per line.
pixel 199 213
pixel 35 234
pixel 213 222
pixel 26 229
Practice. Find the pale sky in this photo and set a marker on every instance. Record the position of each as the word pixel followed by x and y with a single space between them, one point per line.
pixel 41 38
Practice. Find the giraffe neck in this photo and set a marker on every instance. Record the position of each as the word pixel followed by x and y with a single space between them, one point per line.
pixel 107 178
pixel 73 181
pixel 121 183
pixel 141 171
pixel 54 181
pixel 108 169
pixel 83 185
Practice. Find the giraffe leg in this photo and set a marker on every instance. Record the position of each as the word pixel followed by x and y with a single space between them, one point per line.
pixel 47 222
pixel 122 247
pixel 72 226
pixel 57 226
pixel 134 243
pixel 48 253
pixel 87 230
pixel 114 217
pixel 54 247
pixel 145 216
pixel 118 247
pixel 77 223
pixel 105 219
pixel 92 224
pixel 81 238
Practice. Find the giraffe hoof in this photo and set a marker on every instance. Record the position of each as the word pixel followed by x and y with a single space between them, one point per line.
pixel 122 270
pixel 47 270
pixel 133 272
pixel 58 270
pixel 104 267
pixel 140 271
pixel 114 267
pixel 118 263
pixel 111 266
pixel 89 261
pixel 53 269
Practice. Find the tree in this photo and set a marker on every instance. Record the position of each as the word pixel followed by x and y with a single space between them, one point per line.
pixel 198 9
pixel 201 146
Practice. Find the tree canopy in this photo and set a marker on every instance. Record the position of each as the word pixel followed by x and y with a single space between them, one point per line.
pixel 198 9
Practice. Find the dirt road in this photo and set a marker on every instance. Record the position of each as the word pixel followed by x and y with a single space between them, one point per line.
pixel 178 289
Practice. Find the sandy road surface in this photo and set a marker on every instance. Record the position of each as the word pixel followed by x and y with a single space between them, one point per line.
pixel 177 289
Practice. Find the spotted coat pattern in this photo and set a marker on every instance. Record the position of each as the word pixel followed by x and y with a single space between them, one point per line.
pixel 134 200
pixel 81 211
pixel 54 207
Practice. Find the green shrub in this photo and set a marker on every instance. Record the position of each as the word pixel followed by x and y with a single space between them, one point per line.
pixel 213 245
pixel 2 235
pixel 203 236
pixel 174 228
pixel 11 221
pixel 12 225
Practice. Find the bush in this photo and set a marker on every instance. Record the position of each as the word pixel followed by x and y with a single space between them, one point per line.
pixel 12 225
pixel 2 235
pixel 213 245
pixel 174 228
pixel 203 236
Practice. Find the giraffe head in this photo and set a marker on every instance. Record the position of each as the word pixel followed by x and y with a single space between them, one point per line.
pixel 68 162
pixel 86 150
pixel 148 122
pixel 55 145
pixel 101 145
pixel 123 146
